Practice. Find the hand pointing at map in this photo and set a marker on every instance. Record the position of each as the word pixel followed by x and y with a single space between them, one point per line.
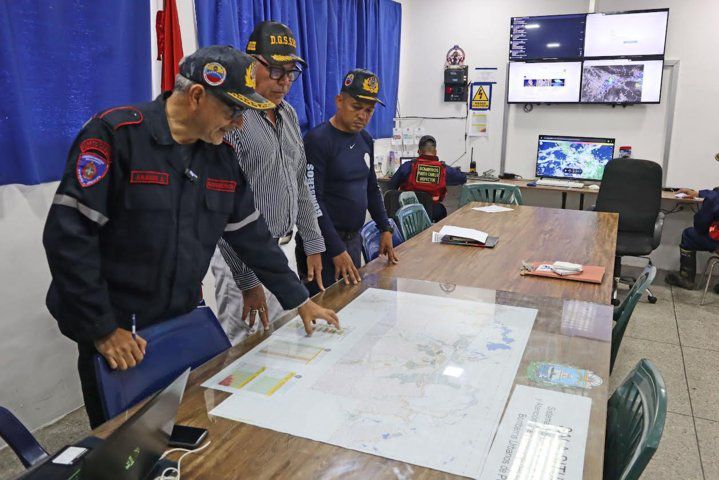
pixel 310 312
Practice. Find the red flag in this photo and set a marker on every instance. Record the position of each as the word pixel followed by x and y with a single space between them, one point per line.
pixel 169 43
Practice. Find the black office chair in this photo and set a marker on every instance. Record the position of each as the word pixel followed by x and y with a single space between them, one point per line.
pixel 633 189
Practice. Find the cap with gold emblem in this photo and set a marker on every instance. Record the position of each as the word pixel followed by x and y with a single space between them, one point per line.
pixel 228 72
pixel 362 85
pixel 275 42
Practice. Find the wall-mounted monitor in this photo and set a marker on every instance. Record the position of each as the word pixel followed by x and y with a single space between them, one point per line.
pixel 550 36
pixel 581 158
pixel 622 81
pixel 626 33
pixel 544 82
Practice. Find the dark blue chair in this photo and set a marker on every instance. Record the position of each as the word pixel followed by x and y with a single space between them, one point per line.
pixel 370 239
pixel 172 346
pixel 19 438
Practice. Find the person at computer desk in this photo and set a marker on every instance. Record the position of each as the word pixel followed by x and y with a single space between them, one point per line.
pixel 702 237
pixel 147 192
pixel 427 174
pixel 340 173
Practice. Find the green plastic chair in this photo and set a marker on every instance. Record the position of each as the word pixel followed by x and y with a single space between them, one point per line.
pixel 624 310
pixel 412 219
pixel 635 422
pixel 407 198
pixel 491 193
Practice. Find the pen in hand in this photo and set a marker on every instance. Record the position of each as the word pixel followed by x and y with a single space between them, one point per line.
pixel 134 327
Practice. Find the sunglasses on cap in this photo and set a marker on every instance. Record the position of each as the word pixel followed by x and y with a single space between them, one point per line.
pixel 237 110
pixel 278 73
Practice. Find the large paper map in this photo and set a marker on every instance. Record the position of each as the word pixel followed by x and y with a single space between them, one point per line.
pixel 416 378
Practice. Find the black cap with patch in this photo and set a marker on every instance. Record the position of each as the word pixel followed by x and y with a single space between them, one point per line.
pixel 427 140
pixel 275 42
pixel 228 73
pixel 362 85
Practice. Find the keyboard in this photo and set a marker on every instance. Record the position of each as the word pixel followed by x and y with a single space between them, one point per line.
pixel 551 182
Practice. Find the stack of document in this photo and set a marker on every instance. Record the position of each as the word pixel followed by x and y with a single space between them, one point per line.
pixel 463 236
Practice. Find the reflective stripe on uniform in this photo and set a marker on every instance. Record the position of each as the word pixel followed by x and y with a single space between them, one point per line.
pixel 93 215
pixel 231 227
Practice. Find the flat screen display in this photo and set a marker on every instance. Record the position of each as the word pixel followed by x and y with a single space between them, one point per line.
pixel 622 81
pixel 581 158
pixel 625 34
pixel 551 36
pixel 544 82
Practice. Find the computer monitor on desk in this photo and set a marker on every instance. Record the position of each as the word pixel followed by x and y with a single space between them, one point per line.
pixel 575 158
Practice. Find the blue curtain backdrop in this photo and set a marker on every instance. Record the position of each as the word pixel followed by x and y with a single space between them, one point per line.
pixel 334 36
pixel 60 62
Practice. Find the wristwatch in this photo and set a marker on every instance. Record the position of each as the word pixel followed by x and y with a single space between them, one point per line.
pixel 387 228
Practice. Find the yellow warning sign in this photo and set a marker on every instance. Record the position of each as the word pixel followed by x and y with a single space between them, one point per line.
pixel 480 100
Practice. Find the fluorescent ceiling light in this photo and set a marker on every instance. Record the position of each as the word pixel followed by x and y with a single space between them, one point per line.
pixel 530 26
pixel 553 45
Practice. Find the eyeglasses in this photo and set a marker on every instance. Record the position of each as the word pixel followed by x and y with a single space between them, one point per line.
pixel 236 110
pixel 278 73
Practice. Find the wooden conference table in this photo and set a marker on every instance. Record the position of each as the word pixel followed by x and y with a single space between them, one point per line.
pixel 559 335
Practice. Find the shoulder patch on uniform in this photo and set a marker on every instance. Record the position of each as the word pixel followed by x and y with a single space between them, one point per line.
pixel 121 116
pixel 96 145
pixel 91 168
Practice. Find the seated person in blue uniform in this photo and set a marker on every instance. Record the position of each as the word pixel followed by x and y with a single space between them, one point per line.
pixel 702 237
pixel 147 192
pixel 340 171
pixel 427 174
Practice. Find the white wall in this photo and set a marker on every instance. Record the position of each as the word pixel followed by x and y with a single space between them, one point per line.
pixel 481 28
pixel 38 374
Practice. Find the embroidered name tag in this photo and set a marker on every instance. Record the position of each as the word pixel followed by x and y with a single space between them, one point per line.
pixel 220 185
pixel 147 176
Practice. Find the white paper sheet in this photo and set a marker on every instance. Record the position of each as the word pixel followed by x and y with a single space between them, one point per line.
pixel 542 436
pixel 416 378
pixel 492 209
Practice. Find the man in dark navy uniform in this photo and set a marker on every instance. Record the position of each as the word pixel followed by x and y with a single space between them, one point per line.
pixel 147 192
pixel 340 172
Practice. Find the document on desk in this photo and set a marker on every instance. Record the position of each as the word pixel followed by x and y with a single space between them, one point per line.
pixel 417 378
pixel 470 233
pixel 542 436
pixel 492 209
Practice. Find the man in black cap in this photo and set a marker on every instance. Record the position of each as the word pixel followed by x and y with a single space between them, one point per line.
pixel 427 174
pixel 340 170
pixel 269 151
pixel 147 192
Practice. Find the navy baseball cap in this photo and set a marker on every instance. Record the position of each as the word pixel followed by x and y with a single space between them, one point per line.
pixel 427 140
pixel 362 85
pixel 228 73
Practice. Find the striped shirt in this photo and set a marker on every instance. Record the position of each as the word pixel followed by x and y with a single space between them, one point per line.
pixel 273 159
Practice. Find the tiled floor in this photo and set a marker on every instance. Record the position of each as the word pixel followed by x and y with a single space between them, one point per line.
pixel 678 335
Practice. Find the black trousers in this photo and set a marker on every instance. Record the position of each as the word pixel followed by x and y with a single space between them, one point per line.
pixel 353 244
pixel 88 380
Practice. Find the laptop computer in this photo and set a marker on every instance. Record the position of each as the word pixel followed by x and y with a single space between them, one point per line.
pixel 130 452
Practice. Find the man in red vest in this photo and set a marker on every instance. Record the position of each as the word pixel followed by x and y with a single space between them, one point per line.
pixel 427 174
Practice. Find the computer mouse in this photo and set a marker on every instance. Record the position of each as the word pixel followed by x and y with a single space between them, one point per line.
pixel 532 184
pixel 593 187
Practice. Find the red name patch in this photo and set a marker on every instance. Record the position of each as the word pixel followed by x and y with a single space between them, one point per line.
pixel 97 145
pixel 147 176
pixel 220 185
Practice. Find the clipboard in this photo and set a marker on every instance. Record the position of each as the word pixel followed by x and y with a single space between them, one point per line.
pixel 589 274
